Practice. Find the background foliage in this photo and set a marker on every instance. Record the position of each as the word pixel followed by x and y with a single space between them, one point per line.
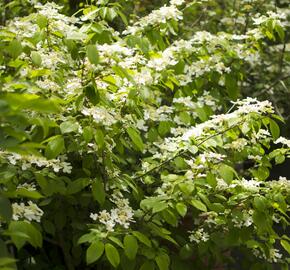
pixel 142 135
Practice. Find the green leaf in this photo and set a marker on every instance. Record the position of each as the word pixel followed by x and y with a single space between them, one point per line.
pixel 232 86
pixel 68 127
pixel 116 241
pixel 148 265
pixel 99 138
pixel 94 252
pixel 181 209
pixel 275 129
pixel 169 217
pixel 112 255
pixel 226 172
pixel 23 192
pixel 142 238
pixel 54 147
pixel 15 48
pixel 279 29
pixel 93 54
pixel 187 188
pixel 5 209
pixel 261 221
pixel 98 191
pixel 77 185
pixel 211 179
pixel 88 134
pixel 162 261
pixel 22 231
pixel 286 245
pixel 136 138
pixel 164 128
pixel 201 114
pixel 6 261
pixel 199 205
pixel 260 203
pixel 130 246
pixel 41 21
pixel 88 237
pixel 36 58
pixel 279 159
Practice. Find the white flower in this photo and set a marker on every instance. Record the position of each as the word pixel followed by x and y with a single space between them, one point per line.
pixel 28 186
pixel 250 185
pixel 141 125
pixel 198 236
pixel 26 161
pixel 101 115
pixel 156 17
pixel 122 214
pixel 283 140
pixel 30 212
pixel 177 2
pixel 94 216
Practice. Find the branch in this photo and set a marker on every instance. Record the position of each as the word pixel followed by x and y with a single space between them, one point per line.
pixel 272 85
pixel 180 153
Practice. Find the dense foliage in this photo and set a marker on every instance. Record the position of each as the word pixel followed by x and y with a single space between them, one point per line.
pixel 134 136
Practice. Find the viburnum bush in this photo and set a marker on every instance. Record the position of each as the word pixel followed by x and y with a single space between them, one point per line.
pixel 145 144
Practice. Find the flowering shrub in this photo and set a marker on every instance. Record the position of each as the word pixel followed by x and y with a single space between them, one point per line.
pixel 144 146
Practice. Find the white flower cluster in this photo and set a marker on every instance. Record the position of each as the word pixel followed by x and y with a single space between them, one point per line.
pixel 118 48
pixel 246 106
pixel 122 214
pixel 278 18
pixel 245 221
pixel 101 115
pixel 27 186
pixel 211 157
pixel 156 17
pixel 237 145
pixel 283 141
pixel 26 161
pixel 161 114
pixel 282 183
pixel 198 236
pixel 273 256
pixel 30 212
pixel 20 27
pixel 177 2
pixel 251 185
pixel 51 11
